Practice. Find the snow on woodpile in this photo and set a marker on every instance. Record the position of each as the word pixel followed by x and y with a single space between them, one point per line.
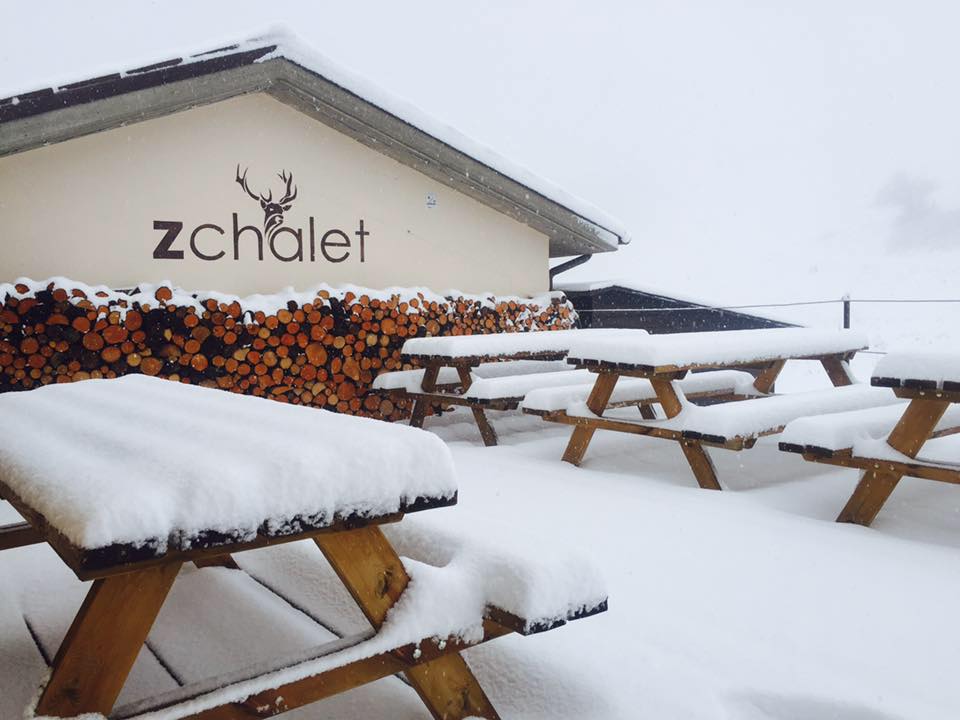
pixel 137 461
pixel 714 348
pixel 931 367
pixel 460 346
pixel 321 347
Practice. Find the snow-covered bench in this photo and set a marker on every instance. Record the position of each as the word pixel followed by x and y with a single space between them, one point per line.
pixel 884 443
pixel 638 392
pixel 665 361
pixel 128 479
pixel 484 372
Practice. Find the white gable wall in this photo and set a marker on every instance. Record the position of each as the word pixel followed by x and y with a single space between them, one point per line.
pixel 86 209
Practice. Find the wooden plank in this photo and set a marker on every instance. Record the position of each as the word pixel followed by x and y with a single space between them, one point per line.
pixel 923 470
pixel 373 573
pixel 911 393
pixel 101 645
pixel 597 402
pixel 18 535
pixel 768 376
pixel 298 693
pixel 917 423
pixel 487 432
pixel 647 412
pixel 838 370
pixel 226 561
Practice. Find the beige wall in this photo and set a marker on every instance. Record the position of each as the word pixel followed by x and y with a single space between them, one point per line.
pixel 86 209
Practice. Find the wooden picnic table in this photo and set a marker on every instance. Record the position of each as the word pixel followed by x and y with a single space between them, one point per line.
pixel 885 444
pixel 464 353
pixel 107 474
pixel 665 360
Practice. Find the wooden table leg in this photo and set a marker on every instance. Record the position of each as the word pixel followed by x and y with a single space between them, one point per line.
pixel 768 376
pixel 597 403
pixel 373 573
pixel 838 370
pixel 100 647
pixel 487 432
pixel 701 464
pixel 428 385
pixel 697 457
pixel 918 422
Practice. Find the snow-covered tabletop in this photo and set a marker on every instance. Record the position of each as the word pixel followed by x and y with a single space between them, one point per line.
pixel 712 349
pixel 160 465
pixel 536 343
pixel 939 370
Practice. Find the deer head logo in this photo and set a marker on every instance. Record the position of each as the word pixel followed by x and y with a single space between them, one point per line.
pixel 272 211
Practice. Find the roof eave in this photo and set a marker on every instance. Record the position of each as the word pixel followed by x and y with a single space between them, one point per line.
pixel 134 98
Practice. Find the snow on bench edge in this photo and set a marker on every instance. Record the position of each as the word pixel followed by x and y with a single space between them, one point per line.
pixel 412 380
pixel 628 389
pixel 858 429
pixel 517 386
pixel 541 580
pixel 755 417
pixel 507 343
pixel 933 367
pixel 139 460
pixel 715 348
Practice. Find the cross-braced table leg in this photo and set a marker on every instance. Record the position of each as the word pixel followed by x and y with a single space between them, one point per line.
pixel 373 573
pixel 597 403
pixel 428 385
pixel 100 647
pixel 693 451
pixel 918 422
pixel 838 370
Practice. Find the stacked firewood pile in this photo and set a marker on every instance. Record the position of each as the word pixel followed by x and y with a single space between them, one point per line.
pixel 323 351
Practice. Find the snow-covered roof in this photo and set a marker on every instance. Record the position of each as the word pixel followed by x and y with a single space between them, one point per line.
pixel 279 65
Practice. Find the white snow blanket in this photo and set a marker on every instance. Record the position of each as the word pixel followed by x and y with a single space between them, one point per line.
pixel 513 343
pixel 727 347
pixel 860 429
pixel 140 460
pixel 936 367
pixel 517 386
pixel 755 417
pixel 629 389
pixel 412 380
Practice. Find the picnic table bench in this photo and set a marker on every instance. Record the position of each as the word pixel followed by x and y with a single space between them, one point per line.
pixel 668 362
pixel 129 479
pixel 884 443
pixel 462 370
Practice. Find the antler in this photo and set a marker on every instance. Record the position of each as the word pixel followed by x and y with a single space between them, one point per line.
pixel 242 180
pixel 288 195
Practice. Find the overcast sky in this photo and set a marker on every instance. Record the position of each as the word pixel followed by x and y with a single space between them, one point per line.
pixel 740 141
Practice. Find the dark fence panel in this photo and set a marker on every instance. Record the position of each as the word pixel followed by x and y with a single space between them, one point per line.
pixel 620 307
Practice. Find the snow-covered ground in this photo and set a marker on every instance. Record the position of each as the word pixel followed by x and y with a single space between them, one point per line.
pixel 749 604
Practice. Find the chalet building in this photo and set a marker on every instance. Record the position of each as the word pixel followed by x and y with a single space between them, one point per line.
pixel 259 166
